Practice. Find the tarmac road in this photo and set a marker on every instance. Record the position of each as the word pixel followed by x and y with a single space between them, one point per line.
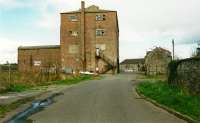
pixel 111 100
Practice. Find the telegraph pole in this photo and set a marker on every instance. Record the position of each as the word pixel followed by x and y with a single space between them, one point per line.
pixel 9 72
pixel 172 49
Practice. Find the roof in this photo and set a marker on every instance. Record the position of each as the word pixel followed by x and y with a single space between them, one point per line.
pixel 158 51
pixel 89 9
pixel 133 61
pixel 161 49
pixel 39 47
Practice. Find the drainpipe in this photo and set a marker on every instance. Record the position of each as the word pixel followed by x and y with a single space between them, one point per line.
pixel 83 34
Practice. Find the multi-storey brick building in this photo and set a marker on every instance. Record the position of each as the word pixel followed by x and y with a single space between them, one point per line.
pixel 89 41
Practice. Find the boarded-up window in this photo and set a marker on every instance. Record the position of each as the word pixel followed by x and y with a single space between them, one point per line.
pixel 73 49
pixel 100 32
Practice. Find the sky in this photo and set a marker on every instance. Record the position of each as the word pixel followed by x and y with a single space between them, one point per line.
pixel 143 24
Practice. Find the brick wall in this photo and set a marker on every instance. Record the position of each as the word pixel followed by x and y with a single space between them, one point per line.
pixel 37 59
pixel 109 42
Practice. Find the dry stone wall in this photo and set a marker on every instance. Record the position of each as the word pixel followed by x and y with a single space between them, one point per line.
pixel 186 74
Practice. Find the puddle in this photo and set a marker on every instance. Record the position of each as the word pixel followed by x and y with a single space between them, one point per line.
pixel 36 106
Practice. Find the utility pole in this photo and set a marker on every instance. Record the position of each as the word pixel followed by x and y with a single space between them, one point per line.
pixel 172 49
pixel 9 72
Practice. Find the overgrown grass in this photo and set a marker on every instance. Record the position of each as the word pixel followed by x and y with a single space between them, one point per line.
pixel 17 86
pixel 152 78
pixel 17 82
pixel 73 80
pixel 172 97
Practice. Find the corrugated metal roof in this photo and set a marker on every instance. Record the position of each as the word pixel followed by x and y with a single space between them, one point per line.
pixel 39 47
pixel 133 61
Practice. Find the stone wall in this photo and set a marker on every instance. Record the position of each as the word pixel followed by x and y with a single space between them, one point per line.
pixel 186 74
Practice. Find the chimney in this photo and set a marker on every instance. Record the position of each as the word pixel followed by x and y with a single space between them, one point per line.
pixel 83 35
pixel 82 5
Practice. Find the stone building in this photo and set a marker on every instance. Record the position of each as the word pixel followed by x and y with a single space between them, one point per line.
pixel 89 41
pixel 157 60
pixel 132 65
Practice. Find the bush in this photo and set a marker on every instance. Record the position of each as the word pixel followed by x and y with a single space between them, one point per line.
pixel 172 72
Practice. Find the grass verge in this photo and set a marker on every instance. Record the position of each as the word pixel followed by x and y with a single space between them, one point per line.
pixel 20 87
pixel 73 80
pixel 152 78
pixel 171 97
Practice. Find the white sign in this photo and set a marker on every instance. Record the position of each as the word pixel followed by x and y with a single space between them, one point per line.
pixel 37 63
pixel 101 46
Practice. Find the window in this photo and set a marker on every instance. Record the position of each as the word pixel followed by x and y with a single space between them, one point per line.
pixel 100 32
pixel 100 17
pixel 73 33
pixel 73 18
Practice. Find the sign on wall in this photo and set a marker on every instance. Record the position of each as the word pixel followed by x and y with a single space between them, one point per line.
pixel 101 46
pixel 37 63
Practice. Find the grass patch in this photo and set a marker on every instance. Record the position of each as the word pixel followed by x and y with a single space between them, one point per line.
pixel 20 87
pixel 172 97
pixel 17 88
pixel 73 80
pixel 152 78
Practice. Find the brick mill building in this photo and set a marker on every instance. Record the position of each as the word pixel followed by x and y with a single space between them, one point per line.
pixel 89 41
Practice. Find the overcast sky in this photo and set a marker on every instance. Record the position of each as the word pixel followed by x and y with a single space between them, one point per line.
pixel 143 24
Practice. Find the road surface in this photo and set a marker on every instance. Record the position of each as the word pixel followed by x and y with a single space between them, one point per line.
pixel 111 100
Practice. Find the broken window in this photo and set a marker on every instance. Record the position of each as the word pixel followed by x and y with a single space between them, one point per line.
pixel 100 17
pixel 100 32
pixel 73 18
pixel 73 33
